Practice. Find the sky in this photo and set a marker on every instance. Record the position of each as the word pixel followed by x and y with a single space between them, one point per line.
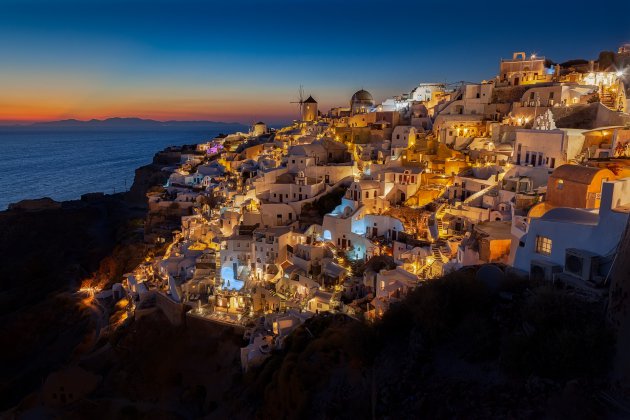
pixel 244 60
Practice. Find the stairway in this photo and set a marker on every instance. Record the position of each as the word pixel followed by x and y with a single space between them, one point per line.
pixel 439 214
pixel 607 99
pixel 435 250
pixel 425 270
pixel 481 193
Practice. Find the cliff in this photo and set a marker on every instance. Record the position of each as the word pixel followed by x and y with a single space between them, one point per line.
pixel 454 348
pixel 48 248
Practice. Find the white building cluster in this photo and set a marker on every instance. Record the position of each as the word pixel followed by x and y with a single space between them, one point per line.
pixel 350 210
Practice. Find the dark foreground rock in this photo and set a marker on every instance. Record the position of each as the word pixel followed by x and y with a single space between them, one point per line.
pixel 47 249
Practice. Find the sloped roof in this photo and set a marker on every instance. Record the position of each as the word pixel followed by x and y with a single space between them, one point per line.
pixel 310 100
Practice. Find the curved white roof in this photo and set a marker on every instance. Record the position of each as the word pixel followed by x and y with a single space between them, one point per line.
pixel 571 215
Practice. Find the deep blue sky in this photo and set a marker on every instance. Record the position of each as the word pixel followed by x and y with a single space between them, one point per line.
pixel 244 60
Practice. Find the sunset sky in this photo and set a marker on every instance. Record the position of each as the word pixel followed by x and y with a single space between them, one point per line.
pixel 244 60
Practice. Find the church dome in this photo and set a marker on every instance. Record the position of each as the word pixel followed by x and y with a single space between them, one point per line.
pixel 361 102
pixel 362 95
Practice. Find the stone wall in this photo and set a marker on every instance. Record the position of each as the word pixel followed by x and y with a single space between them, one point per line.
pixel 173 311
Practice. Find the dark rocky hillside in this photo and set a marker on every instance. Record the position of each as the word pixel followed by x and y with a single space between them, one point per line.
pixel 47 249
pixel 452 349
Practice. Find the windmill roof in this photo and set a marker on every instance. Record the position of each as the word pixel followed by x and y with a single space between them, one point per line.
pixel 310 100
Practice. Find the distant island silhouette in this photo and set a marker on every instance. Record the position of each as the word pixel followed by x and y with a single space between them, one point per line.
pixel 127 123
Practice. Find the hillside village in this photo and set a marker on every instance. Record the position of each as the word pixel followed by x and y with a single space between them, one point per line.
pixel 348 210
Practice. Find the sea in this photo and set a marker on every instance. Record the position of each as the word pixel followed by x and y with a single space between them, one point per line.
pixel 63 163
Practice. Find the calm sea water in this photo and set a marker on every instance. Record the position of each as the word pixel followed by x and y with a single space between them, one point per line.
pixel 63 164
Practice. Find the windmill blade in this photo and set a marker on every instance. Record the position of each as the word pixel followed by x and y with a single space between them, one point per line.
pixel 300 100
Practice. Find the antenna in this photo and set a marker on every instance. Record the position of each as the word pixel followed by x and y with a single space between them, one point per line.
pixel 300 101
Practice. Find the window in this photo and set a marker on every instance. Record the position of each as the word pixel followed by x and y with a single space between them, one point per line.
pixel 560 184
pixel 553 163
pixel 543 245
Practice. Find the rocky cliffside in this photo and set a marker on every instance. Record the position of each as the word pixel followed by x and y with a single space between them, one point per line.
pixel 47 249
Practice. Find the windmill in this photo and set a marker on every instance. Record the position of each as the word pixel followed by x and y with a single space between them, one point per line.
pixel 300 101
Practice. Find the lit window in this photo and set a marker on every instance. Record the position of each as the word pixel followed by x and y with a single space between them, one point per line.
pixel 560 184
pixel 543 245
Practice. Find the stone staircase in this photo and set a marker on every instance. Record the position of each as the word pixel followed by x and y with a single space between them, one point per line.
pixel 439 215
pixel 425 270
pixel 607 99
pixel 480 194
pixel 441 250
pixel 435 250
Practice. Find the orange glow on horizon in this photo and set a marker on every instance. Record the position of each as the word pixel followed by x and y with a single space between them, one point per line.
pixel 30 107
pixel 42 113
